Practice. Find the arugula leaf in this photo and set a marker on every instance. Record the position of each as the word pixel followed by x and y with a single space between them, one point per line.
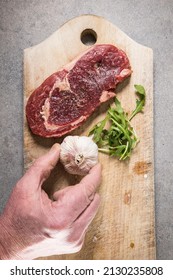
pixel 98 132
pixel 120 138
pixel 119 109
pixel 139 102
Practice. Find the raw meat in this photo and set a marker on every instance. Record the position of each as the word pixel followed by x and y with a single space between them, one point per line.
pixel 68 97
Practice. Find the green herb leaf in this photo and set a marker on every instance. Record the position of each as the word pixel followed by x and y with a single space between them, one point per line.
pixel 98 132
pixel 139 102
pixel 120 138
pixel 119 109
pixel 140 89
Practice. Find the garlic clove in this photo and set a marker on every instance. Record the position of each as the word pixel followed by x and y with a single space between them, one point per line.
pixel 78 154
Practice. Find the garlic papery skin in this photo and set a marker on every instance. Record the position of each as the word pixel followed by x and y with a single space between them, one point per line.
pixel 78 154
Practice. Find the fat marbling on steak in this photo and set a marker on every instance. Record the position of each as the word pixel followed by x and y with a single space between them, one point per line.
pixel 69 96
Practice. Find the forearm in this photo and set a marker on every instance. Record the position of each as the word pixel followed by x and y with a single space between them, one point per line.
pixel 18 240
pixel 3 245
pixel 9 247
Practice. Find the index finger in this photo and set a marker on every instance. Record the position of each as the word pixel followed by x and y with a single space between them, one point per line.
pixel 74 200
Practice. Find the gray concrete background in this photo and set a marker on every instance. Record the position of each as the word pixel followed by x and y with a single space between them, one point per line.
pixel 149 22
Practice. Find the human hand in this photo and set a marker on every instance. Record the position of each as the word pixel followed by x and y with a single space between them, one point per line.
pixel 32 225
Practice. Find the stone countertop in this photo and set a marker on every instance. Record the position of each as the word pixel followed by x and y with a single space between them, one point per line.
pixel 150 22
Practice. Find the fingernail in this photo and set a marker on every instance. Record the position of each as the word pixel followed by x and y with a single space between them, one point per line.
pixel 55 147
pixel 97 166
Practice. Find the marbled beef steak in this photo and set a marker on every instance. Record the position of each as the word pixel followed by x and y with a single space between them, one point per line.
pixel 69 96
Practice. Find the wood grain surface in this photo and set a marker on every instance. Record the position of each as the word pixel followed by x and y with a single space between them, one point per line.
pixel 124 227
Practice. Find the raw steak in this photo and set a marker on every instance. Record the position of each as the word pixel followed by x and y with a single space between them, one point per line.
pixel 68 97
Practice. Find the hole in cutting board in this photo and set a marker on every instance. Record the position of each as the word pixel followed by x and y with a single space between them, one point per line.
pixel 88 37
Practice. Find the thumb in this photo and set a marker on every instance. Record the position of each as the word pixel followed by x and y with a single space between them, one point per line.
pixel 41 168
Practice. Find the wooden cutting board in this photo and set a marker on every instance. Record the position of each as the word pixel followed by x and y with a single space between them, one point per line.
pixel 124 225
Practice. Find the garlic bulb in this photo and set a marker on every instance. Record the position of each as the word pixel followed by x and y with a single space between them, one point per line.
pixel 78 154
